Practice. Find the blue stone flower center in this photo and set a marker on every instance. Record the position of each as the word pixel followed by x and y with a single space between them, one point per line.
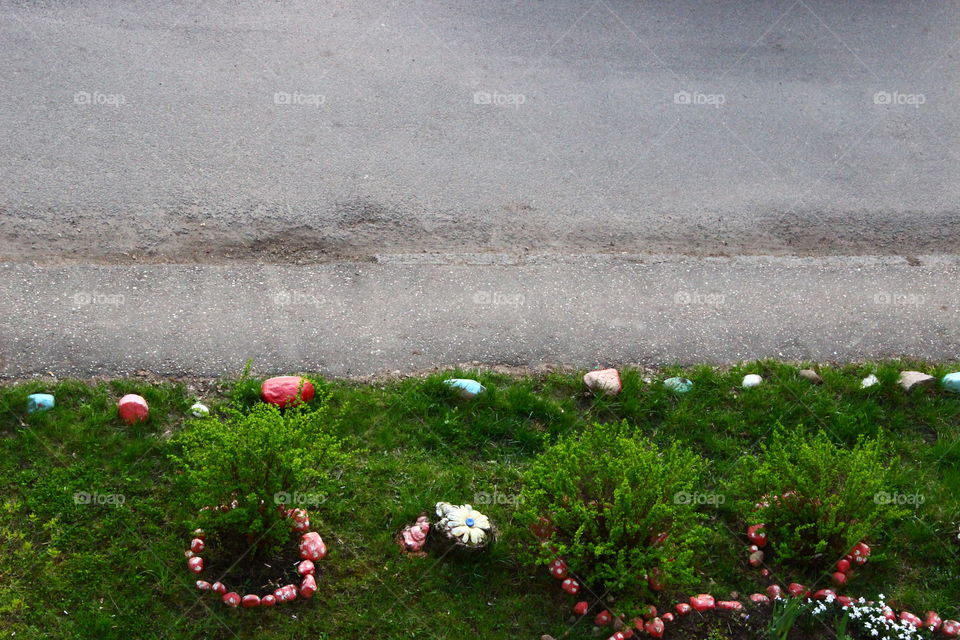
pixel 469 522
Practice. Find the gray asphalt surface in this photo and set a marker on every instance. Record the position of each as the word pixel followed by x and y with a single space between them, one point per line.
pixel 304 131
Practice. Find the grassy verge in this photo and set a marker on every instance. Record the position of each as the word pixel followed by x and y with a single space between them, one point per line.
pixel 108 570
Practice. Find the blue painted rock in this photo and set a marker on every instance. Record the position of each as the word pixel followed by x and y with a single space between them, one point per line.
pixel 39 402
pixel 467 388
pixel 951 382
pixel 605 381
pixel 678 385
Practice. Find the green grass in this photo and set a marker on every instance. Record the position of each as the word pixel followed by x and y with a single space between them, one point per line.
pixel 83 571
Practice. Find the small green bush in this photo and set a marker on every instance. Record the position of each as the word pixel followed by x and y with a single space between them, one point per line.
pixel 260 459
pixel 608 494
pixel 817 499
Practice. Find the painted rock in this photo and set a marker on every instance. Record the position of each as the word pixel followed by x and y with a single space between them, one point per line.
pixel 911 380
pixel 932 621
pixel 250 601
pixel 757 534
pixel 655 579
pixel 869 381
pixel 756 558
pixel 199 410
pixel 795 589
pixel 605 381
pixel 654 627
pixel 811 375
pixel 133 408
pixel 765 572
pixel 197 545
pixel 203 585
pixel 860 553
pixel 308 587
pixel 845 601
pixel 286 391
pixel 730 605
pixel 558 569
pixel 702 602
pixel 306 568
pixel 312 547
pixel 823 594
pixel 909 618
pixel 667 617
pixel 759 598
pixel 839 578
pixel 231 599
pixel 951 382
pixel 888 614
pixel 199 533
pixel 648 612
pixel 581 607
pixel 290 592
pixel 678 385
pixel 774 591
pixel 268 600
pixel 542 528
pixel 843 565
pixel 571 586
pixel 195 564
pixel 950 628
pixel 40 402
pixel 467 388
pixel 603 618
pixel 751 380
pixel 218 587
pixel 280 594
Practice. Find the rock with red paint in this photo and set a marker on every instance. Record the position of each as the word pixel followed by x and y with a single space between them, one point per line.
pixel 218 587
pixel 268 600
pixel 845 601
pixel 703 602
pixel 250 601
pixel 203 585
pixel 289 592
pixel 199 533
pixel 197 545
pixel 571 586
pixel 730 605
pixel 280 594
pixel 308 587
pixel 756 558
pixel 655 579
pixel 932 621
pixel 823 594
pixel 765 572
pixel 950 628
pixel 909 618
pixel 839 578
pixel 759 598
pixel 889 614
pixel 682 608
pixel 312 547
pixel 195 564
pixel 796 589
pixel 133 408
pixel 414 537
pixel 581 608
pixel 285 391
pixel 860 553
pixel 843 565
pixel 605 381
pixel 654 627
pixel 648 612
pixel 667 617
pixel 774 591
pixel 602 619
pixel 306 568
pixel 558 569
pixel 542 529
pixel 231 599
pixel 757 534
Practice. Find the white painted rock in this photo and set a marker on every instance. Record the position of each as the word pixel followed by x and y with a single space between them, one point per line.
pixel 751 380
pixel 915 380
pixel 606 381
pixel 811 375
pixel 869 381
pixel 199 410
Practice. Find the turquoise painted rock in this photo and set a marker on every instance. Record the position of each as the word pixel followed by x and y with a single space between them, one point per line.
pixel 678 385
pixel 39 402
pixel 951 382
pixel 468 388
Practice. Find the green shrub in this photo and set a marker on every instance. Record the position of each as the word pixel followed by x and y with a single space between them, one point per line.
pixel 817 499
pixel 259 459
pixel 608 494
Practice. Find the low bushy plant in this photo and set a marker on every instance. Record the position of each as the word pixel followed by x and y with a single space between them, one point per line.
pixel 610 497
pixel 817 499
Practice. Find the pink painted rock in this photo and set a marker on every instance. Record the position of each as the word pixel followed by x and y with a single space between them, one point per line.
pixel 860 553
pixel 606 381
pixel 283 390
pixel 250 601
pixel 581 607
pixel 756 558
pixel 845 601
pixel 195 564
pixel 312 547
pixel 558 569
pixel 843 565
pixel 932 621
pixel 796 590
pixel 603 618
pixel 268 600
pixel 667 617
pixel 909 618
pixel 280 594
pixel 682 608
pixel 702 602
pixel 571 586
pixel 197 545
pixel 654 627
pixel 133 408
pixel 950 628
pixel 231 599
pixel 757 535
pixel 839 578
pixel 308 587
pixel 414 537
pixel 889 614
pixel 203 585
pixel 823 594
pixel 289 592
pixel 306 568
pixel 774 591
pixel 730 605
pixel 218 587
pixel 759 598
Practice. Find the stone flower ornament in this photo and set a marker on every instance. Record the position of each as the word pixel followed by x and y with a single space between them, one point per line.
pixel 465 524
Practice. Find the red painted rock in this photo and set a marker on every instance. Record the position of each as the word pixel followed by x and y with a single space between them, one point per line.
pixel 909 618
pixel 558 569
pixel 312 547
pixel 195 564
pixel 660 538
pixel 703 602
pixel 289 592
pixel 250 601
pixel 860 553
pixel 301 527
pixel 667 617
pixel 203 585
pixel 571 586
pixel 197 545
pixel 133 408
pixel 756 558
pixel 843 565
pixel 648 612
pixel 199 533
pixel 308 587
pixel 932 621
pixel 950 628
pixel 796 590
pixel 268 600
pixel 283 390
pixel 542 529
pixel 765 572
pixel 280 594
pixel 774 591
pixel 606 381
pixel 654 627
pixel 655 579
pixel 730 605
pixel 889 614
pixel 839 578
pixel 682 608
pixel 757 535
pixel 218 587
pixel 581 607
pixel 759 598
pixel 231 599
pixel 845 601
pixel 603 618
pixel 823 594
pixel 306 568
